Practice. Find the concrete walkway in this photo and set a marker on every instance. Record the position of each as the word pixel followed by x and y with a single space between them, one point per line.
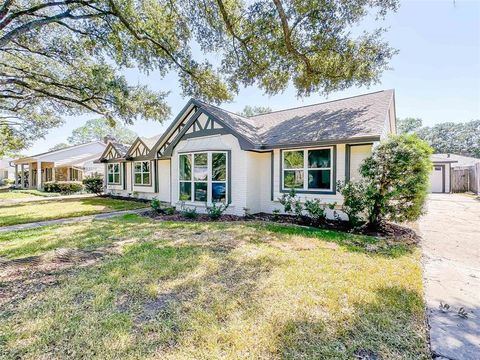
pixel 451 249
pixel 71 220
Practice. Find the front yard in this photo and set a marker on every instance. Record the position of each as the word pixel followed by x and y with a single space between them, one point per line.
pixel 25 212
pixel 130 287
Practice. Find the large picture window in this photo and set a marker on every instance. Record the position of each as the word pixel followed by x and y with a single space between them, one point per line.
pixel 142 172
pixel 113 172
pixel 307 169
pixel 203 177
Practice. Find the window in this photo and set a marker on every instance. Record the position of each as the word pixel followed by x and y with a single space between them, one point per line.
pixel 113 171
pixel 203 177
pixel 308 170
pixel 74 174
pixel 142 172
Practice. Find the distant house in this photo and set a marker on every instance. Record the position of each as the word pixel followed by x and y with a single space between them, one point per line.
pixel 69 164
pixel 6 170
pixel 211 155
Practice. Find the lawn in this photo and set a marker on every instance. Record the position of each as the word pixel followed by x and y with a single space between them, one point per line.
pixel 25 212
pixel 131 287
pixel 24 194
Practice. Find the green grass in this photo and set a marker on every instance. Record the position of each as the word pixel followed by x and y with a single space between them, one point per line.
pixel 207 291
pixel 25 212
pixel 23 194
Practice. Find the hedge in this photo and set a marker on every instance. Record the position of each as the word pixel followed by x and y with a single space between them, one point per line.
pixel 63 187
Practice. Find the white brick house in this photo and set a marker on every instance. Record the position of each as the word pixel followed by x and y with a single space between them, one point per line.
pixel 208 154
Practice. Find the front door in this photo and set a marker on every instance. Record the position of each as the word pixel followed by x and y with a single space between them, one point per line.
pixel 437 179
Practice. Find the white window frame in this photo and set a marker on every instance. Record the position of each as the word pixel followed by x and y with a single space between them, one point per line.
pixel 209 180
pixel 141 172
pixel 112 166
pixel 305 170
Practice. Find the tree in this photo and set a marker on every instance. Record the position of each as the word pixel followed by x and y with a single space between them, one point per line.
pixel 408 125
pixel 249 111
pixel 397 176
pixel 448 137
pixel 98 129
pixel 59 146
pixel 65 57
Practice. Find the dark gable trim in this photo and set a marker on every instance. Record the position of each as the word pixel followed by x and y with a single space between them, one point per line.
pixel 153 151
pixel 124 177
pixel 316 192
pixel 272 172
pixel 155 175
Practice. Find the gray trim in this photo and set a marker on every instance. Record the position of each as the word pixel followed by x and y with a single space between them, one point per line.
pixel 124 177
pixel 169 149
pixel 206 132
pixel 155 176
pixel 328 142
pixel 272 171
pixel 301 191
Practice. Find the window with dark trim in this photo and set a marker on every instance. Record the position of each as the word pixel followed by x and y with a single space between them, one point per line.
pixel 308 169
pixel 142 173
pixel 203 177
pixel 113 173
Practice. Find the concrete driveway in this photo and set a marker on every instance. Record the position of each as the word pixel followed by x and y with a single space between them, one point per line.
pixel 451 249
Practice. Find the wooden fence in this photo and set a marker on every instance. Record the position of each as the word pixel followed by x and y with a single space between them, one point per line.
pixel 466 179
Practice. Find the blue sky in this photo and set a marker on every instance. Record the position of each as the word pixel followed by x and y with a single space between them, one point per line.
pixel 436 75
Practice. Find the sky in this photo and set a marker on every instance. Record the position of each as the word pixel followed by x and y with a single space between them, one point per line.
pixel 436 75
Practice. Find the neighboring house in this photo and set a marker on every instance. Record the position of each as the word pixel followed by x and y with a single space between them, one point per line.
pixel 441 177
pixel 69 164
pixel 209 154
pixel 6 170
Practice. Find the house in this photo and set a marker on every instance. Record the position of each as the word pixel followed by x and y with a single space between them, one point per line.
pixel 209 154
pixel 442 178
pixel 72 163
pixel 6 170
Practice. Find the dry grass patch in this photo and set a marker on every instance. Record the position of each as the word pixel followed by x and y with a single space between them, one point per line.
pixel 209 291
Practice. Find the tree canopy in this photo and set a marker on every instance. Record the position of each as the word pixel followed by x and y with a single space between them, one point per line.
pixel 98 129
pixel 249 111
pixel 66 57
pixel 448 137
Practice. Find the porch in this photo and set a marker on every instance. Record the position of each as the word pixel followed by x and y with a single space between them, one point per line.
pixel 28 176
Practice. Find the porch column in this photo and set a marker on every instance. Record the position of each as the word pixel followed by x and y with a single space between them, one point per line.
pixel 16 175
pixel 53 173
pixel 68 174
pixel 22 175
pixel 39 175
pixel 30 175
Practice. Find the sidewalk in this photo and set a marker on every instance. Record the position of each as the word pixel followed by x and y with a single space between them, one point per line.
pixel 71 220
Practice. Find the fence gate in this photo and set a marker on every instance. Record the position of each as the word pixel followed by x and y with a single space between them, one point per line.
pixel 466 179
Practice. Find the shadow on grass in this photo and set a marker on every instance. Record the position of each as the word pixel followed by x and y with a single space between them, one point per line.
pixel 379 329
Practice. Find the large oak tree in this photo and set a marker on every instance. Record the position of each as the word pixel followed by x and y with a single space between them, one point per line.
pixel 64 57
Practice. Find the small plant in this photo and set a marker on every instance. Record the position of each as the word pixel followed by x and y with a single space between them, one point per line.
pixel 93 184
pixel 216 211
pixel 291 204
pixel 354 201
pixel 169 210
pixel 276 215
pixel 315 211
pixel 135 194
pixel 189 213
pixel 247 213
pixel 156 205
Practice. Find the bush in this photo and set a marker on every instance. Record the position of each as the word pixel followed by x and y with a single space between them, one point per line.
pixel 161 208
pixel 315 211
pixel 276 213
pixel 6 182
pixel 216 211
pixel 63 187
pixel 395 182
pixel 93 184
pixel 354 201
pixel 291 204
pixel 189 213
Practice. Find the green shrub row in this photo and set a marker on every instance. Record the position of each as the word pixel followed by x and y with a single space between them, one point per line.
pixel 63 187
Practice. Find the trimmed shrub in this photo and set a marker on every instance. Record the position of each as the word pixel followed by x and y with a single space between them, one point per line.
pixel 315 211
pixel 354 201
pixel 216 210
pixel 291 204
pixel 93 184
pixel 161 208
pixel 7 182
pixel 190 213
pixel 63 187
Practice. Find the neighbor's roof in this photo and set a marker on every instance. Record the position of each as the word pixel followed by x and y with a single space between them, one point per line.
pixel 353 117
pixel 121 148
pixel 459 160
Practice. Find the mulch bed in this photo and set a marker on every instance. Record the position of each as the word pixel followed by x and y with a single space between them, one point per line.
pixel 391 231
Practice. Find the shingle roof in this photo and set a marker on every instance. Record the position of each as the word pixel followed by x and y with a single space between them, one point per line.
pixel 459 160
pixel 354 117
pixel 121 148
